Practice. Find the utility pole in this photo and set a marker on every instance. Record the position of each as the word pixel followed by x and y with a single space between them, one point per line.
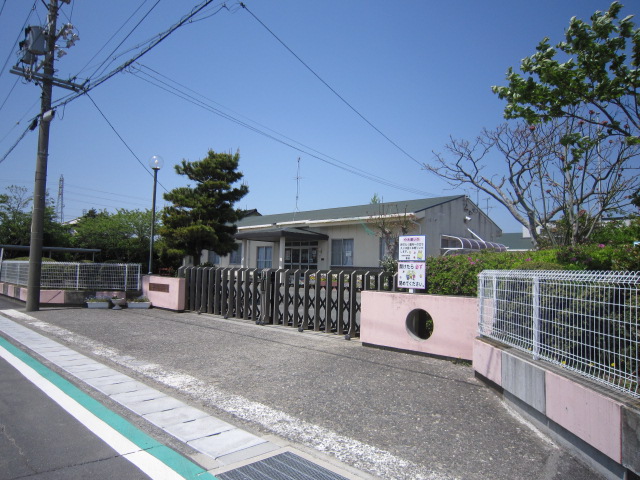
pixel 40 184
pixel 42 41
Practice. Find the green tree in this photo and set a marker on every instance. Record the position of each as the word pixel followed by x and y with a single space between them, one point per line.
pixel 122 236
pixel 203 216
pixel 15 217
pixel 591 76
pixel 15 220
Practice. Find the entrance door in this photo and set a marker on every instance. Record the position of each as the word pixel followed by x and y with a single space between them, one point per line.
pixel 301 255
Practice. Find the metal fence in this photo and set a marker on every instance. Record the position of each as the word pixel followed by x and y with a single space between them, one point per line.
pixel 583 321
pixel 76 276
pixel 319 300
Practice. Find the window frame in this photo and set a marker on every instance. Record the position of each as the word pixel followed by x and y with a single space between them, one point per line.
pixel 235 257
pixel 261 262
pixel 345 260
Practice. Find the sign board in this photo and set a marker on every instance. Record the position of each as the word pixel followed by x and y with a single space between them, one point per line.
pixel 412 275
pixel 159 287
pixel 412 248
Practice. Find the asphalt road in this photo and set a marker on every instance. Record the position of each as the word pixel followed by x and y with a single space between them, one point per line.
pixel 40 440
pixel 389 414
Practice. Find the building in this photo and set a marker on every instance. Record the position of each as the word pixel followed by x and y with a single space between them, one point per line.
pixel 518 241
pixel 348 237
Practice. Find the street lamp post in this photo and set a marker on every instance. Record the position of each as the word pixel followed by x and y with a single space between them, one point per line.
pixel 156 162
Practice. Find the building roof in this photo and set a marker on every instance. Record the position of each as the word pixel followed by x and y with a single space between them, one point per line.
pixel 275 234
pixel 343 213
pixel 515 241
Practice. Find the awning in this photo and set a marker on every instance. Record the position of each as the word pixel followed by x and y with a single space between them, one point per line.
pixel 452 243
pixel 275 234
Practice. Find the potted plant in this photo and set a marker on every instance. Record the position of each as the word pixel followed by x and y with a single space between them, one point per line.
pixel 139 302
pixel 97 302
pixel 118 302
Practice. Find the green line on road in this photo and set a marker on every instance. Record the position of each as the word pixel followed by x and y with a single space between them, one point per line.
pixel 166 455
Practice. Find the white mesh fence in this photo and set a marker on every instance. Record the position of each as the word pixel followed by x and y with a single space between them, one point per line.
pixel 76 276
pixel 583 321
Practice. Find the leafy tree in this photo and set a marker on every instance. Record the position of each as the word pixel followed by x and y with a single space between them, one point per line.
pixel 592 76
pixel 569 162
pixel 122 236
pixel 635 199
pixel 618 232
pixel 15 220
pixel 203 216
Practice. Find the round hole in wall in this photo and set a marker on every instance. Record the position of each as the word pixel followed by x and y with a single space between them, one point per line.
pixel 420 324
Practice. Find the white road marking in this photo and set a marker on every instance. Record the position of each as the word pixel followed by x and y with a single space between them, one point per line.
pixel 146 462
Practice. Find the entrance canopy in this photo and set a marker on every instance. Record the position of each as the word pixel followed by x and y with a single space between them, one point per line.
pixel 275 234
pixel 451 243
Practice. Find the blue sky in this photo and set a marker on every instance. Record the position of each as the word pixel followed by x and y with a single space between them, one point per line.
pixel 419 71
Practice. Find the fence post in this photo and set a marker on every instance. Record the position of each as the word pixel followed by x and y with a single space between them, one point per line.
pixel 295 322
pixel 78 276
pixel 316 301
pixel 305 301
pixel 353 301
pixel 126 277
pixel 341 303
pixel 536 317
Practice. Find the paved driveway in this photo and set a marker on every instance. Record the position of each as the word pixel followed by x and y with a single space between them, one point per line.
pixel 389 414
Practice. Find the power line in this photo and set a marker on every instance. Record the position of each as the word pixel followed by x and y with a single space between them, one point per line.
pixel 112 37
pixel 105 192
pixel 73 192
pixel 4 157
pixel 152 45
pixel 330 87
pixel 122 139
pixel 87 199
pixel 13 47
pixel 303 149
pixel 127 36
pixel 65 100
pixel 9 94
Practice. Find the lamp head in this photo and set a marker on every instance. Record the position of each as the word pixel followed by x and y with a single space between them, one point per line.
pixel 156 162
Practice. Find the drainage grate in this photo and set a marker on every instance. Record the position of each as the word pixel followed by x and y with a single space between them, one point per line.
pixel 285 466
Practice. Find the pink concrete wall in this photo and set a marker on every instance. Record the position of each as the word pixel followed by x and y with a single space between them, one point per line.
pixel 487 361
pixel 384 314
pixel 52 296
pixel 594 418
pixel 172 298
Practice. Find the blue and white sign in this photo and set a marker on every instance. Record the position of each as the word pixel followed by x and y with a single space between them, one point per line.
pixel 412 248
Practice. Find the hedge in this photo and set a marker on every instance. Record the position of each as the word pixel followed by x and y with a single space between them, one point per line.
pixel 458 274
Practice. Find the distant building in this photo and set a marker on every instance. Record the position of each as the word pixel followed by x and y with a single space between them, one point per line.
pixel 518 242
pixel 345 237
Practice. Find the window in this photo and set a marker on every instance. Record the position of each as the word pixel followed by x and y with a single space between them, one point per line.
pixel 235 258
pixel 264 257
pixel 342 252
pixel 213 258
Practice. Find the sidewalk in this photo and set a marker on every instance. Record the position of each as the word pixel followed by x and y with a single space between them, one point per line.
pixel 369 412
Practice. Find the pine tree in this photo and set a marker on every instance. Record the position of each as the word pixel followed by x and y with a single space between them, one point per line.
pixel 203 216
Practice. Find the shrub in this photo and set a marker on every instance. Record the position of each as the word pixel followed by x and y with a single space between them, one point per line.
pixel 458 274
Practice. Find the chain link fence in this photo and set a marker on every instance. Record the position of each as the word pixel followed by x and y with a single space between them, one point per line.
pixel 76 276
pixel 583 321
